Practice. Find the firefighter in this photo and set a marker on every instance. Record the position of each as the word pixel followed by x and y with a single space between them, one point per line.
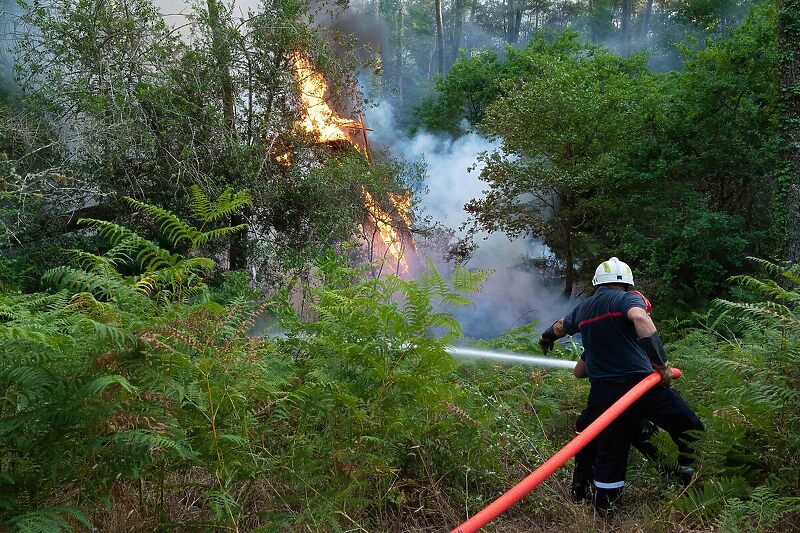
pixel 621 347
pixel 640 439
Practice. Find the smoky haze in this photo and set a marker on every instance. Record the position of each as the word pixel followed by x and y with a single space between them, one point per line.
pixel 8 13
pixel 515 294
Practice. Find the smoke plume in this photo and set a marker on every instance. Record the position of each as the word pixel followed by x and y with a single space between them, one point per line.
pixel 515 293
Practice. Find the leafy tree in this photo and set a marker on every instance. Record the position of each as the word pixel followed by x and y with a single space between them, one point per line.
pixel 561 130
pixel 464 93
pixel 697 147
pixel 161 114
pixel 706 157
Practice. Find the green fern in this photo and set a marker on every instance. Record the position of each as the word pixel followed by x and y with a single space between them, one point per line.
pixel 226 204
pixel 50 520
pixel 744 373
pixel 759 513
pixel 206 212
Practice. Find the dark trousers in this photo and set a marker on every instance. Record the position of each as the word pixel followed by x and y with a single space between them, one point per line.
pixel 605 460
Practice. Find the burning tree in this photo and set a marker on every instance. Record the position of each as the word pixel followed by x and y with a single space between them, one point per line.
pixel 160 114
pixel 385 231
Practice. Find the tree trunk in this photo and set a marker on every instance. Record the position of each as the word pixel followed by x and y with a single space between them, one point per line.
pixel 439 35
pixel 569 259
pixel 458 28
pixel 399 52
pixel 221 50
pixel 625 46
pixel 648 12
pixel 513 21
pixel 789 42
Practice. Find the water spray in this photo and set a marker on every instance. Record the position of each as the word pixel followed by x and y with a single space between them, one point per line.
pixel 463 353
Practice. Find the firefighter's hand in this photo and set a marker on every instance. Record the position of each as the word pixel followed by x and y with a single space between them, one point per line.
pixel 546 345
pixel 549 337
pixel 665 371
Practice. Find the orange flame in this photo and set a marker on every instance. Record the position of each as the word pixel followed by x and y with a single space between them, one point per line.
pixel 321 121
pixel 318 117
pixel 391 238
pixel 284 159
pixel 402 203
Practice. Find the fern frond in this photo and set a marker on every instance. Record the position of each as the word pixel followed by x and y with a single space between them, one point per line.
pixel 171 226
pixel 92 262
pixel 77 281
pixel 227 204
pixel 145 252
pixel 99 384
pixel 153 442
pixel 200 205
pixel 219 233
pixel 26 334
pixel 762 311
pixel 50 520
pixel 768 288
pixel 767 266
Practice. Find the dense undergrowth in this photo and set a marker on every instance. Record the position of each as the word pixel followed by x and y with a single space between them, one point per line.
pixel 136 397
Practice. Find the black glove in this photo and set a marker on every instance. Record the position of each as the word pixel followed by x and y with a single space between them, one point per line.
pixel 546 344
pixel 548 340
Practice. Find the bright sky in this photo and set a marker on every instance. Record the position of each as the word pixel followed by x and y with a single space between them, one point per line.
pixel 174 10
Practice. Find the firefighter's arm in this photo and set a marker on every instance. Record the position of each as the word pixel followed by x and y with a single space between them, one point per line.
pixel 551 335
pixel 650 342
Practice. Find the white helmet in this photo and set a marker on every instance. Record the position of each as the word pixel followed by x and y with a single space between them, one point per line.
pixel 613 271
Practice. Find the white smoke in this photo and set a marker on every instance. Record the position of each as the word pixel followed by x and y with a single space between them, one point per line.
pixel 514 294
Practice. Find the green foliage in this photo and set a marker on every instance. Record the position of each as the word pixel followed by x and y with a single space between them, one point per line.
pixel 50 519
pixel 357 414
pixel 722 107
pixel 673 171
pixel 206 212
pixel 761 512
pixel 479 78
pixel 562 122
pixel 109 388
pixel 81 380
pixel 373 388
pixel 742 363
pixel 160 113
pixel 464 93
pixel 165 275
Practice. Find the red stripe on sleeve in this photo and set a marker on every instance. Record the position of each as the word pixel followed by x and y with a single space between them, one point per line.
pixel 597 318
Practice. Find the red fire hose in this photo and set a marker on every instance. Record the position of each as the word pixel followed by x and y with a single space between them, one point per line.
pixel 518 491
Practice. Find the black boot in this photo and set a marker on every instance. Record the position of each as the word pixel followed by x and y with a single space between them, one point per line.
pixel 687 474
pixel 605 500
pixel 581 491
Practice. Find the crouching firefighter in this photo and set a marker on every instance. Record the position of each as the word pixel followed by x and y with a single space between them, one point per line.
pixel 622 347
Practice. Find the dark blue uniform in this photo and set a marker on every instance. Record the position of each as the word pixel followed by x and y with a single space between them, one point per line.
pixel 615 363
pixel 611 346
